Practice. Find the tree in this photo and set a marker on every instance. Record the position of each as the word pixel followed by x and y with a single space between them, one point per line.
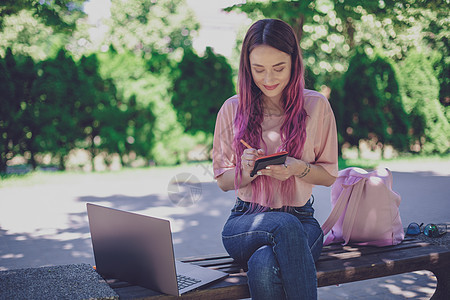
pixel 141 128
pixel 343 15
pixel 24 77
pixel 430 127
pixel 321 30
pixel 113 123
pixel 146 95
pixel 59 14
pixel 330 30
pixel 37 28
pixel 9 111
pixel 100 117
pixel 17 130
pixel 56 86
pixel 333 30
pixel 441 67
pixel 202 86
pixel 371 103
pixel 340 15
pixel 155 30
pixel 295 13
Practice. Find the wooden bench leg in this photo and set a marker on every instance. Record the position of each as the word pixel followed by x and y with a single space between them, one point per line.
pixel 443 283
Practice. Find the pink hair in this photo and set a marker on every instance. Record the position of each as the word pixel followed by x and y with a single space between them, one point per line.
pixel 249 116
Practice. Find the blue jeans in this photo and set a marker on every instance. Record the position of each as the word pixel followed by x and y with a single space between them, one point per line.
pixel 279 250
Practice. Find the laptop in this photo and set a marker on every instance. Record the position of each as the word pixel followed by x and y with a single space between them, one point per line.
pixel 139 249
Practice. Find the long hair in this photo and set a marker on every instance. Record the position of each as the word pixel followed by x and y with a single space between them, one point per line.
pixel 250 112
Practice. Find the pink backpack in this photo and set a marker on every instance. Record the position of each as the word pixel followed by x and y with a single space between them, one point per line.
pixel 365 209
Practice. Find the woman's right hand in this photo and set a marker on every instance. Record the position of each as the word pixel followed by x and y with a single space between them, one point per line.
pixel 248 159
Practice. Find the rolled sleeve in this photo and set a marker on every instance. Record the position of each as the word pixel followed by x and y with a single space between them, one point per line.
pixel 224 157
pixel 325 141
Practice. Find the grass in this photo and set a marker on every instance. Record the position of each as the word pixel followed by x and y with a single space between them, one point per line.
pixel 370 164
pixel 42 176
pixel 37 177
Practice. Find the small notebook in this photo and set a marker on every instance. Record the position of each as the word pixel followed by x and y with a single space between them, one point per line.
pixel 272 159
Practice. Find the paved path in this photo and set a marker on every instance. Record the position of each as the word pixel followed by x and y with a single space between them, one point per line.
pixel 45 222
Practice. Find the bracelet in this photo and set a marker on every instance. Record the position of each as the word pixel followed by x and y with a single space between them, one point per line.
pixel 306 171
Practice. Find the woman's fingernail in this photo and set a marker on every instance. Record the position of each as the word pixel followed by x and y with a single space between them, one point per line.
pixel 268 168
pixel 259 173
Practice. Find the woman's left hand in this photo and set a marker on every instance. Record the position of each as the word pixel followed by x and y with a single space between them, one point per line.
pixel 282 172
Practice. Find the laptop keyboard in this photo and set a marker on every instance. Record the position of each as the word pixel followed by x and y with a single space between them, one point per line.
pixel 185 281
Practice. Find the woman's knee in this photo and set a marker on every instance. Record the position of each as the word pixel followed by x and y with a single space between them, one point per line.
pixel 263 266
pixel 290 227
pixel 264 276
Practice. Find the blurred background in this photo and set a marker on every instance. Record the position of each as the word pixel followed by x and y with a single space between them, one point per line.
pixel 102 85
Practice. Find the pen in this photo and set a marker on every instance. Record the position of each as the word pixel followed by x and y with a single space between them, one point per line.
pixel 245 144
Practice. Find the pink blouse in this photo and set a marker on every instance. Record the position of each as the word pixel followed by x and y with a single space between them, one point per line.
pixel 321 146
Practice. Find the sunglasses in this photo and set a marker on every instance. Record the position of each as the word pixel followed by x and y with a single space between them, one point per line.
pixel 430 230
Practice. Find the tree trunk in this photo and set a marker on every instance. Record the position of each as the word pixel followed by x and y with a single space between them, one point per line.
pixel 33 161
pixel 350 32
pixel 62 163
pixel 3 165
pixel 298 27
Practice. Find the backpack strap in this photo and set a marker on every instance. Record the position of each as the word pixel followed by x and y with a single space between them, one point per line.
pixel 352 209
pixel 337 211
pixel 340 206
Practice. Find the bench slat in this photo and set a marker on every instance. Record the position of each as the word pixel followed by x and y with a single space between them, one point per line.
pixel 376 265
pixel 233 287
pixel 333 252
pixel 351 252
pixel 337 264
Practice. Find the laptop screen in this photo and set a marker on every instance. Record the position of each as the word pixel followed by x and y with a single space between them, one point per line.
pixel 133 248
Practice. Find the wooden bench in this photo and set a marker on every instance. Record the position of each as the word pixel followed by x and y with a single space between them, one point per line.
pixel 337 265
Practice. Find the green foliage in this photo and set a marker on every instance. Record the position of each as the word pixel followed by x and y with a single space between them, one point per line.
pixel 24 77
pixel 18 123
pixel 141 127
pixel 370 106
pixel 320 28
pixel 150 91
pixel 331 31
pixel 59 105
pixel 100 117
pixel 38 28
pixel 441 68
pixel 148 28
pixel 430 126
pixel 120 124
pixel 359 163
pixel 201 88
pixel 26 35
pixel 295 13
pixel 337 104
pixel 57 88
pixel 9 110
pixel 59 14
pixel 311 79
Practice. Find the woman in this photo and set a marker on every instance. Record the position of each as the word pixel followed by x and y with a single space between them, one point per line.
pixel 271 230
